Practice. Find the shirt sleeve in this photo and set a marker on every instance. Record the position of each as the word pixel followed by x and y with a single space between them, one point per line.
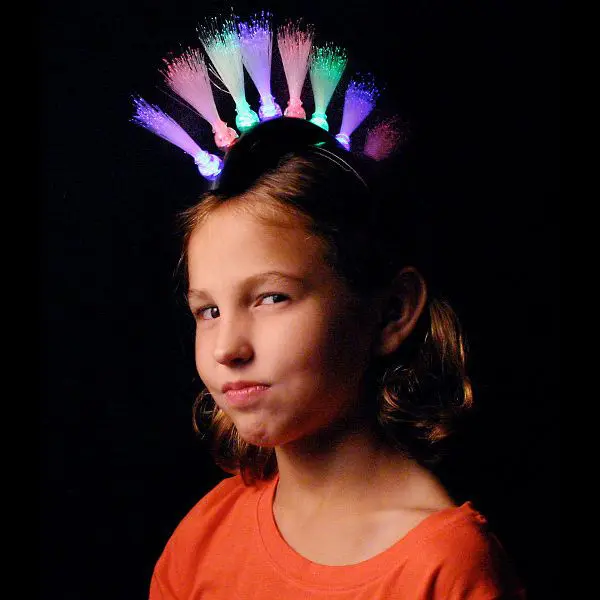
pixel 477 568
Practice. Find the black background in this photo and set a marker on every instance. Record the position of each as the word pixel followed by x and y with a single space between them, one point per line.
pixel 120 462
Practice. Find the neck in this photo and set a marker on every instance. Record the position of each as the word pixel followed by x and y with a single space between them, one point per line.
pixel 335 470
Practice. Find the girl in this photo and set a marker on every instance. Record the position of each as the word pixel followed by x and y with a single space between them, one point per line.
pixel 332 377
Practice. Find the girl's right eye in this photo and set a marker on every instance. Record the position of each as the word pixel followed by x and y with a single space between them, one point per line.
pixel 207 314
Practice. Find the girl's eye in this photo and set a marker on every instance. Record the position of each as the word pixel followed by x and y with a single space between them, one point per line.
pixel 208 313
pixel 273 298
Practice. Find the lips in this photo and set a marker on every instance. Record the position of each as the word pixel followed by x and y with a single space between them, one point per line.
pixel 244 394
pixel 240 385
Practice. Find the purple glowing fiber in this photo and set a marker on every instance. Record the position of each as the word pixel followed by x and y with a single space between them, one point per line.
pixel 359 101
pixel 256 44
pixel 256 41
pixel 153 119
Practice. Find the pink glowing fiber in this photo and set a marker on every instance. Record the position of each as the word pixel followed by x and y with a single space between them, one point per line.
pixel 383 139
pixel 153 119
pixel 359 101
pixel 256 42
pixel 187 75
pixel 295 44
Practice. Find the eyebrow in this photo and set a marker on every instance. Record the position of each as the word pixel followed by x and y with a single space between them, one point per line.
pixel 252 281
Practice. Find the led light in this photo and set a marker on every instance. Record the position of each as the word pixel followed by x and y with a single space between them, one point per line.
pixel 246 120
pixel 209 165
pixel 344 140
pixel 269 109
pixel 294 109
pixel 320 119
pixel 224 136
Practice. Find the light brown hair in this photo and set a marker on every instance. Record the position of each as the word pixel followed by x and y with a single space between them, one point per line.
pixel 415 395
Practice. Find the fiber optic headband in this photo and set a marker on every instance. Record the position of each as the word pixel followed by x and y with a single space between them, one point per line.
pixel 235 47
pixel 264 146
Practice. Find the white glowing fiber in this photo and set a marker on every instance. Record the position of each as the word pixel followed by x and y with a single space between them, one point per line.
pixel 222 45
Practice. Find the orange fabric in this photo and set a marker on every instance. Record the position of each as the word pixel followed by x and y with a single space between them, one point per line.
pixel 228 547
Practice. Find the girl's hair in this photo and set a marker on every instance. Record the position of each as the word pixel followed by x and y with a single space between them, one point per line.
pixel 291 172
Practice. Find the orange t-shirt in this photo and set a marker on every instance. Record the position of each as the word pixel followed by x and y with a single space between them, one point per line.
pixel 228 547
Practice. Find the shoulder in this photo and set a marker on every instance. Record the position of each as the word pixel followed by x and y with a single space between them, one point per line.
pixel 225 491
pixel 461 558
pixel 228 497
pixel 210 519
pixel 455 526
pixel 205 533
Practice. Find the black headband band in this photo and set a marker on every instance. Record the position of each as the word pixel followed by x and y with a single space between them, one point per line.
pixel 265 145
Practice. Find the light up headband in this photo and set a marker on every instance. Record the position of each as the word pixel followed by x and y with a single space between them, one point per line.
pixel 232 45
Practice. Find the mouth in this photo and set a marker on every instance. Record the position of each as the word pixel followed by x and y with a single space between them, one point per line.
pixel 246 395
pixel 242 384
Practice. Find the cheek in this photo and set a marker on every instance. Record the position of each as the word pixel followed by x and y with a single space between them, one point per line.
pixel 302 341
pixel 203 357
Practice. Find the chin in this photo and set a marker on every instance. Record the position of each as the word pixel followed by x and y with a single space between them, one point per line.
pixel 261 440
pixel 263 436
pixel 257 436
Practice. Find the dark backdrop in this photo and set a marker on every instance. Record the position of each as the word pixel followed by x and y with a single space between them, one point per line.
pixel 120 462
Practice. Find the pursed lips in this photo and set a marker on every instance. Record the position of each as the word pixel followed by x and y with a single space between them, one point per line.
pixel 244 394
pixel 240 385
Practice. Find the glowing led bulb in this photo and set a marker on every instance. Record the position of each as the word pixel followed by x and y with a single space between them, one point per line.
pixel 208 164
pixel 320 119
pixel 224 136
pixel 344 140
pixel 269 109
pixel 245 118
pixel 294 109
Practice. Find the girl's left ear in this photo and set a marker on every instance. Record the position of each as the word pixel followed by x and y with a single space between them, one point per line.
pixel 401 311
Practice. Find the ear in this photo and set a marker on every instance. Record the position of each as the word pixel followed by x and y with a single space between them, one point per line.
pixel 402 308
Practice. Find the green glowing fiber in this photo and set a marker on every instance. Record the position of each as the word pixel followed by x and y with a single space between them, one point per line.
pixel 327 65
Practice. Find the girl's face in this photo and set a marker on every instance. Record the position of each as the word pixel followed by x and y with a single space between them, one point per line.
pixel 270 311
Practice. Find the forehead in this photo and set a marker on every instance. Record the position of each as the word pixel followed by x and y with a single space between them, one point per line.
pixel 235 243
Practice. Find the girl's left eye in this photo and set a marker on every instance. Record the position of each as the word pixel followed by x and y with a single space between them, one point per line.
pixel 273 298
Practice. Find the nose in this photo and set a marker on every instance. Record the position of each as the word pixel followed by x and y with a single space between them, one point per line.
pixel 233 345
